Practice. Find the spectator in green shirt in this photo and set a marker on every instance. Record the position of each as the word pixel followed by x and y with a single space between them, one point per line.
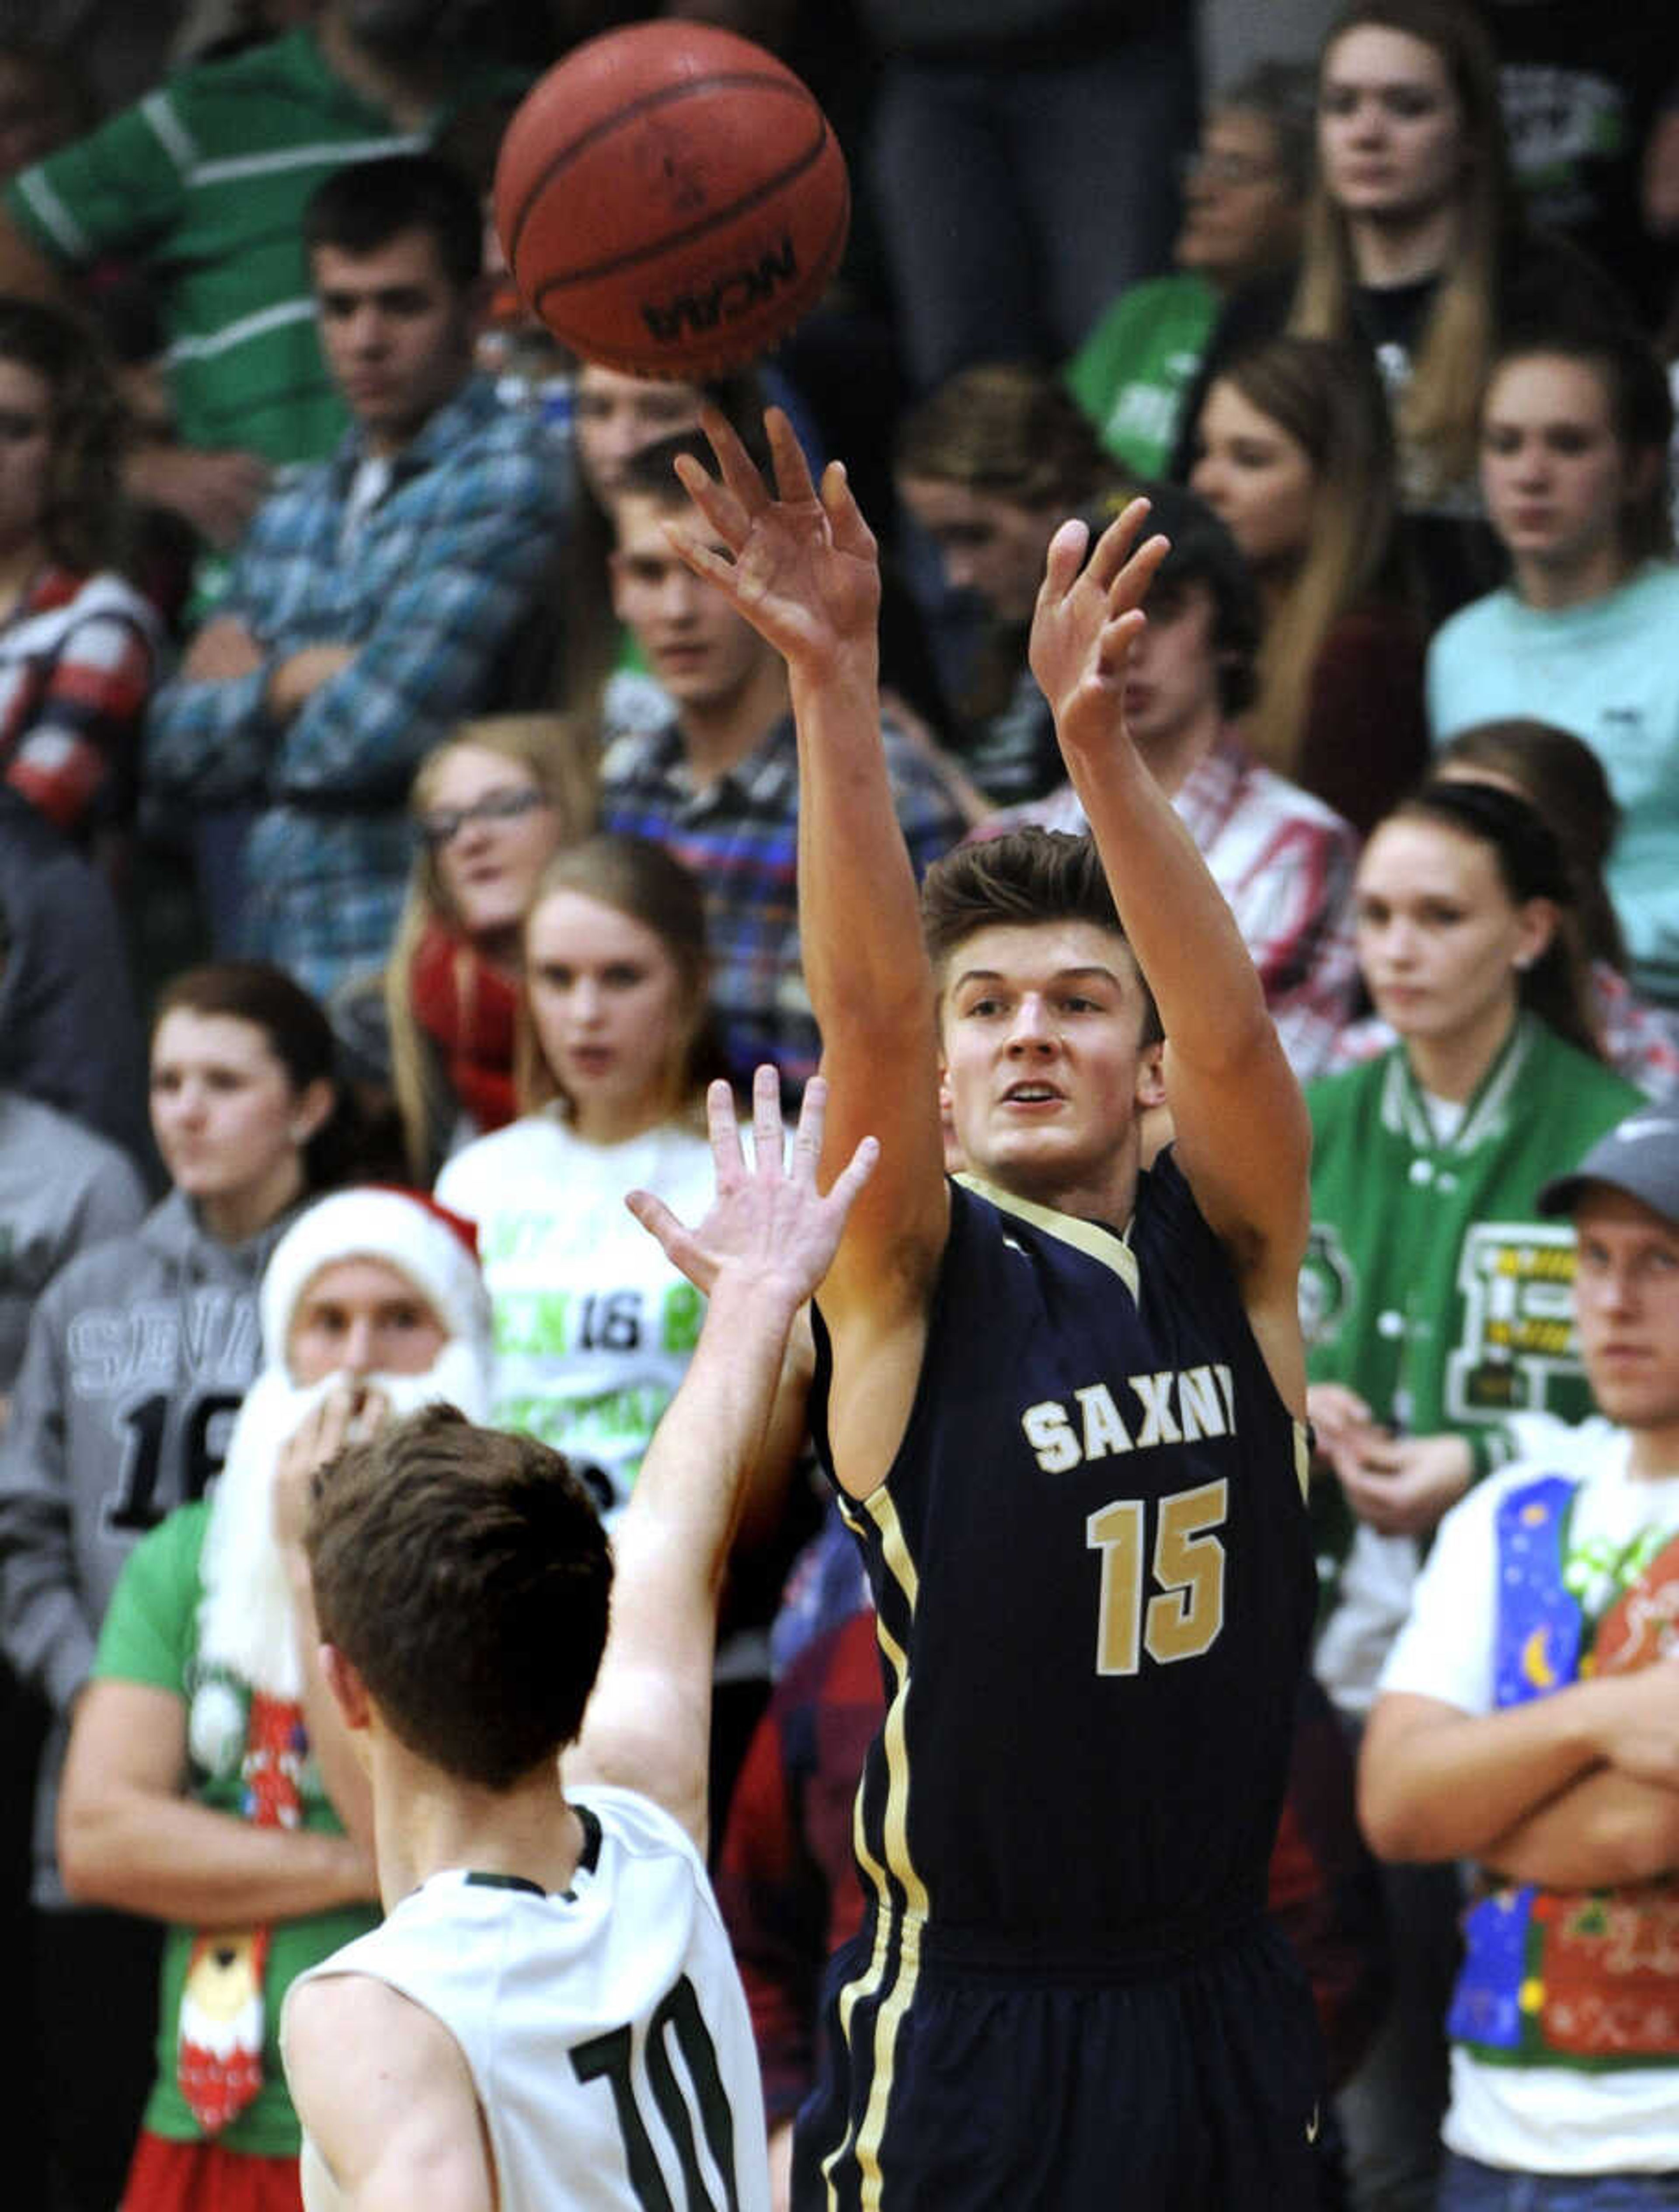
pixel 204 184
pixel 1245 193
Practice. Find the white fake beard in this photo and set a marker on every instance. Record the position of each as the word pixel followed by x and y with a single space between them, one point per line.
pixel 244 1617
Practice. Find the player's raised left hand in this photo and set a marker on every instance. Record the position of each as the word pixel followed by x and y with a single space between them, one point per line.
pixel 768 1227
pixel 1089 615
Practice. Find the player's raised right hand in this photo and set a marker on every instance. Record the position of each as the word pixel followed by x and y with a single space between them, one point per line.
pixel 799 565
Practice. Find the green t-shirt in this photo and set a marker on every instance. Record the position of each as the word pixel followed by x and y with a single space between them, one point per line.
pixel 150 1636
pixel 204 182
pixel 1131 372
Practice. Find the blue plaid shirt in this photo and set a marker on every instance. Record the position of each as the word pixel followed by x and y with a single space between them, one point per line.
pixel 429 589
pixel 739 834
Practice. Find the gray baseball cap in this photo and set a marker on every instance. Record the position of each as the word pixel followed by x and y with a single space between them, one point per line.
pixel 1639 1155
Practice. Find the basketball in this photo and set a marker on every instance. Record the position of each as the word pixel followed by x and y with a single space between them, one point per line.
pixel 670 200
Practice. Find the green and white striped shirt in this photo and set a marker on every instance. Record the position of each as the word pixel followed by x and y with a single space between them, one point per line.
pixel 204 183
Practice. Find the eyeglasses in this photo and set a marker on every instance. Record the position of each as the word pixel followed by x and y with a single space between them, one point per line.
pixel 444 824
pixel 1230 171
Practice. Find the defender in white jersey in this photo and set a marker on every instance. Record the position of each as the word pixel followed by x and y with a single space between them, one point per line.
pixel 550 2015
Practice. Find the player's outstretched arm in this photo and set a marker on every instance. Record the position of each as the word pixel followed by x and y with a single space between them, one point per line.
pixel 759 1254
pixel 1242 1134
pixel 799 563
pixel 389 2112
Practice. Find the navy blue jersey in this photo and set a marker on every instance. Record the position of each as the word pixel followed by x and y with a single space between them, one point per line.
pixel 1092 1569
pixel 1094 1589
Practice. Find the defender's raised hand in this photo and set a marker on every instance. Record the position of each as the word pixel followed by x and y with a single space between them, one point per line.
pixel 768 1223
pixel 1088 616
pixel 800 564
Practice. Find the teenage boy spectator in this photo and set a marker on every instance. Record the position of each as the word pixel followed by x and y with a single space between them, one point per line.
pixel 1283 860
pixel 370 603
pixel 1527 1722
pixel 205 184
pixel 719 783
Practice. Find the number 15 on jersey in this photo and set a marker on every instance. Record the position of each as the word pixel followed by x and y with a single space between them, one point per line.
pixel 1183 1616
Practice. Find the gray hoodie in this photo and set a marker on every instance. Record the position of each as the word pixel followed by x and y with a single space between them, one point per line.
pixel 62 1190
pixel 139 1352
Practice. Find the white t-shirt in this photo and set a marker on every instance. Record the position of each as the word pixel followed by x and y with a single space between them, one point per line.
pixel 613 2011
pixel 594 1328
pixel 1541 2119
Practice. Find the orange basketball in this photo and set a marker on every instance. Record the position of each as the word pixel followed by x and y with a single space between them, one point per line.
pixel 670 199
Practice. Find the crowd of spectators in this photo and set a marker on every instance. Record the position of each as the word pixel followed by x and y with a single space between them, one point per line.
pixel 384 797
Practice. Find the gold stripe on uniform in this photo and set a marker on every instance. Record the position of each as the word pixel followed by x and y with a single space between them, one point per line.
pixel 865 2144
pixel 1087 1236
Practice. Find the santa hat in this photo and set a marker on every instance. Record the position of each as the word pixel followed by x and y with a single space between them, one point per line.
pixel 436 1249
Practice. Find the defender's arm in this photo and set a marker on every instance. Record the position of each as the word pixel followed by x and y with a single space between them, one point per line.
pixel 758 1255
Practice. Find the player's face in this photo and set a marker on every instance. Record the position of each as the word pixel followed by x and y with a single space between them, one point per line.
pixel 1255 475
pixel 611 1012
pixel 1441 940
pixel 362 1317
pixel 227 1119
pixel 1390 127
pixel 1552 471
pixel 1172 676
pixel 492 832
pixel 693 641
pixel 1044 1069
pixel 990 546
pixel 615 416
pixel 26 452
pixel 1626 1304
pixel 1240 212
pixel 397 332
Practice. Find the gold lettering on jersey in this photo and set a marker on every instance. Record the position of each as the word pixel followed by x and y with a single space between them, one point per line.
pixel 1177 1406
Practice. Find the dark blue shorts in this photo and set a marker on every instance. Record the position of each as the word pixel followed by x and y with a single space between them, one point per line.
pixel 1190 2089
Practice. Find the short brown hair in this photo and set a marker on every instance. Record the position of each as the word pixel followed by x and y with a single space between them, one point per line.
pixel 465 1575
pixel 1027 876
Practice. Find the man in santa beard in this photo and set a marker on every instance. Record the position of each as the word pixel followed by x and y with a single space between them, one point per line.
pixel 191 1792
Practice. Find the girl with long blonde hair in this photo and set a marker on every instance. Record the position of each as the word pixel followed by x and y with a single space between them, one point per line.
pixel 593 1325
pixel 491 805
pixel 1416 246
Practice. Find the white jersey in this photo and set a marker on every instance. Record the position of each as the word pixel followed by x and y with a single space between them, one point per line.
pixel 605 2028
pixel 594 1328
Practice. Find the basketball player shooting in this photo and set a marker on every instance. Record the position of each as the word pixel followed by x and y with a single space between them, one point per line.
pixel 550 2015
pixel 1061 1399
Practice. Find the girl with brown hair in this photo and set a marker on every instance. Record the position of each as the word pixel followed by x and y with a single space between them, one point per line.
pixel 1293 452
